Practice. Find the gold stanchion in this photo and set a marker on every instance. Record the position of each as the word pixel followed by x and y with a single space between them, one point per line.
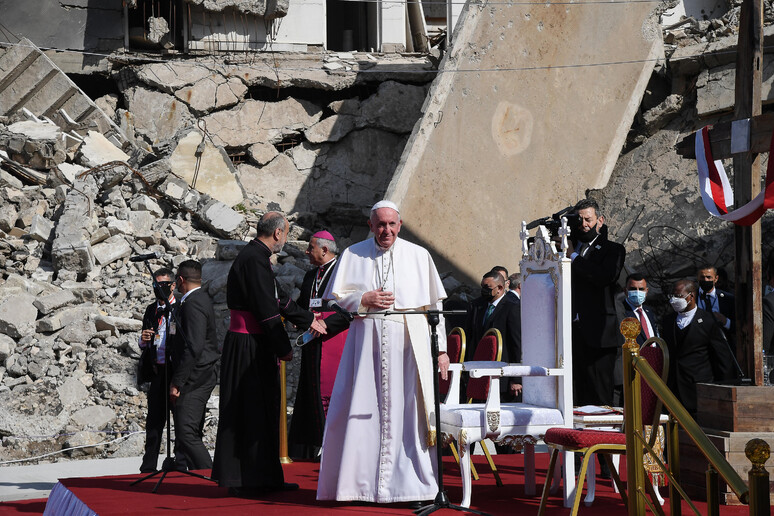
pixel 758 452
pixel 630 328
pixel 284 459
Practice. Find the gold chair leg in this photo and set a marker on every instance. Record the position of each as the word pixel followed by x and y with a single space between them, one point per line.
pixel 473 472
pixel 579 484
pixel 549 478
pixel 492 465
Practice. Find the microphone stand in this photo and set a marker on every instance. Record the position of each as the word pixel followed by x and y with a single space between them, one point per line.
pixel 433 319
pixel 169 462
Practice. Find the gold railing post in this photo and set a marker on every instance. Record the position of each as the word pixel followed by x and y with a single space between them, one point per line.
pixel 673 459
pixel 757 452
pixel 630 328
pixel 284 459
pixel 713 502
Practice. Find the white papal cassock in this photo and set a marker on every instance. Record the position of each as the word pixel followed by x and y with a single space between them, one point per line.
pixel 375 447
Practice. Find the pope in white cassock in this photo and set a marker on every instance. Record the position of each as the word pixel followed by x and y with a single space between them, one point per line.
pixel 378 442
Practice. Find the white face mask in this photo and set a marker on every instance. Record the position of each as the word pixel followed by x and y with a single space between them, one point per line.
pixel 679 304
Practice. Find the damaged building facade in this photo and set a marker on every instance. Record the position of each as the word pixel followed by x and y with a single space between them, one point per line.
pixel 138 126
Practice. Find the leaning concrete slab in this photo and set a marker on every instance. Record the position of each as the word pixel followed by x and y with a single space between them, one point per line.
pixel 530 109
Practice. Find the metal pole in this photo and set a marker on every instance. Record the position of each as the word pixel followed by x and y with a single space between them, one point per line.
pixel 630 328
pixel 758 451
pixel 713 502
pixel 284 459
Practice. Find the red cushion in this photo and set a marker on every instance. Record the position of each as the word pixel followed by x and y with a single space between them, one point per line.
pixel 478 388
pixel 648 398
pixel 573 438
pixel 453 349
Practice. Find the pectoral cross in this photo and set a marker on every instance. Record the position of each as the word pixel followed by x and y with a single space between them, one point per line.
pixel 751 134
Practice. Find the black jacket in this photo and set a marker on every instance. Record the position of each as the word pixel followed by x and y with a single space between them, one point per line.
pixel 594 277
pixel 768 323
pixel 195 349
pixel 506 318
pixel 702 356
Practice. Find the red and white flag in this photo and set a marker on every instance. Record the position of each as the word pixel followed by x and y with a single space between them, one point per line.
pixel 716 191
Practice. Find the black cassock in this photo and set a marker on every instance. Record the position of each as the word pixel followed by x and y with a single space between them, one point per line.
pixel 247 447
pixel 308 423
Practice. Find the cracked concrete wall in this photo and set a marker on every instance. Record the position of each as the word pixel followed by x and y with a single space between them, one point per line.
pixel 521 122
pixel 70 24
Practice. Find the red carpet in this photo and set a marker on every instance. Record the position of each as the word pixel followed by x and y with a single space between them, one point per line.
pixel 114 495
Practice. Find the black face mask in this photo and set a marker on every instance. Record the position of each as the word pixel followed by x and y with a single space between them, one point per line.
pixel 486 293
pixel 588 236
pixel 706 286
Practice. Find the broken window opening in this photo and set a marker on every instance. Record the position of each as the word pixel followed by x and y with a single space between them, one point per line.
pixel 156 25
pixel 97 85
pixel 351 25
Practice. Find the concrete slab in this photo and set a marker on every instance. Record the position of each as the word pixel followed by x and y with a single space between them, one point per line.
pixel 36 481
pixel 531 109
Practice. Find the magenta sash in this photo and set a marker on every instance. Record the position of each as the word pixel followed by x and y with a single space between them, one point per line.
pixel 329 363
pixel 243 321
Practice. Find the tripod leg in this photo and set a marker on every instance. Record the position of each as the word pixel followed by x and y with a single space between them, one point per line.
pixel 155 488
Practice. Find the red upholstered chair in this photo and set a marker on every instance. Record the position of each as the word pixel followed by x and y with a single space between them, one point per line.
pixel 589 441
pixel 455 348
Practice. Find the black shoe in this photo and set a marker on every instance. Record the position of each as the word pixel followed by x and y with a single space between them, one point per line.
pixel 418 504
pixel 288 486
pixel 148 470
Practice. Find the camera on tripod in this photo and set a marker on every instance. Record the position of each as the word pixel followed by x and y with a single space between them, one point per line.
pixel 554 222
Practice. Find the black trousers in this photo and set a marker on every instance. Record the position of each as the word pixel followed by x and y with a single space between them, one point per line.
pixel 189 412
pixel 155 420
pixel 592 370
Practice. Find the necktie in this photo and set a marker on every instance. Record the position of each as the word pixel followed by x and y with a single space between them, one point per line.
pixel 707 302
pixel 488 313
pixel 643 322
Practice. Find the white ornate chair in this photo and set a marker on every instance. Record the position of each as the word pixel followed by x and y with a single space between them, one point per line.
pixel 546 370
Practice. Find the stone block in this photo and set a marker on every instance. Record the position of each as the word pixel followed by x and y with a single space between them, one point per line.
pixel 116 382
pixel 7 346
pixel 71 249
pixel 216 175
pixel 97 150
pixel 254 121
pixel 116 325
pixel 213 92
pixel 65 316
pixel 72 394
pixel 143 202
pixel 99 235
pixel 8 216
pixel 112 249
pixel 95 417
pixel 142 222
pixel 51 302
pixel 41 229
pixel 157 116
pixel 17 315
pixel 172 76
pixel 262 153
pixel 119 227
pixel 83 444
pixel 334 128
pixel 222 220
pixel 70 170
pixel 78 331
pixel 37 145
pixel 229 249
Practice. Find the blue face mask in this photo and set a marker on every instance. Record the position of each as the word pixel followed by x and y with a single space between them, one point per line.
pixel 635 297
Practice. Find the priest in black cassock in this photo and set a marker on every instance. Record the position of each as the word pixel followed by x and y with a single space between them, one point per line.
pixel 247 446
pixel 320 357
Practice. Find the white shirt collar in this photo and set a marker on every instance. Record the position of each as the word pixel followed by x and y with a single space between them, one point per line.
pixel 182 300
pixel 685 318
pixel 494 303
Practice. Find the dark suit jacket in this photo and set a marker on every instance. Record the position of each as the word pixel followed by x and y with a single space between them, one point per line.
pixel 624 310
pixel 594 278
pixel 704 356
pixel 196 355
pixel 768 323
pixel 727 307
pixel 506 318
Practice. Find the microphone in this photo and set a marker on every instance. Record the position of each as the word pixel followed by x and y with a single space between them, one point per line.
pixel 145 257
pixel 339 310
